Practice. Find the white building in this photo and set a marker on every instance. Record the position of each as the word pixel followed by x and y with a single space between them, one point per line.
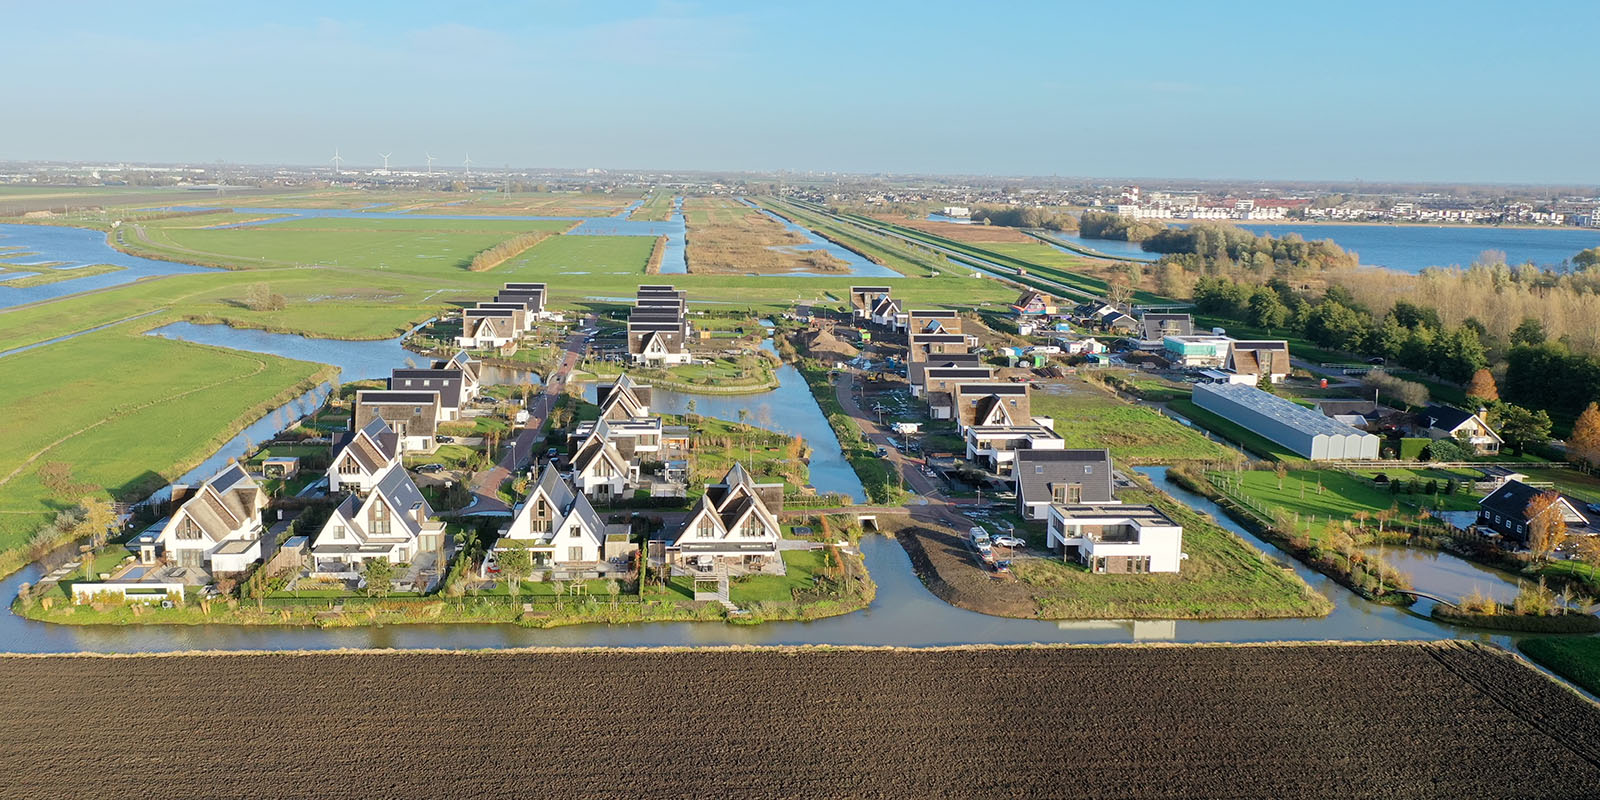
pixel 732 526
pixel 1116 539
pixel 218 524
pixel 556 524
pixel 392 521
pixel 599 470
pixel 364 458
pixel 996 446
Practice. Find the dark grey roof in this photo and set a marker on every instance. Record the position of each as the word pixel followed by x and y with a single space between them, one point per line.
pixel 870 289
pixel 1158 325
pixel 1511 499
pixel 992 388
pixel 938 338
pixel 447 382
pixel 935 313
pixel 514 286
pixel 381 397
pixel 489 312
pixel 1446 418
pixel 1035 470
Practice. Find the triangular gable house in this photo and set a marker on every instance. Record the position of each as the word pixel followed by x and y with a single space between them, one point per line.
pixel 393 521
pixel 365 457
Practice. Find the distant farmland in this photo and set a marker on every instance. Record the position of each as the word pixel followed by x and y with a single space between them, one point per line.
pixel 1444 720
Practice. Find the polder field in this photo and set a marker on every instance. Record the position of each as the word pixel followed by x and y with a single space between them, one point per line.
pixel 1448 720
pixel 361 275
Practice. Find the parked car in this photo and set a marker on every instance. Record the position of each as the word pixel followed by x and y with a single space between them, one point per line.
pixel 1377 361
pixel 431 468
pixel 883 451
pixel 445 439
pixel 1009 541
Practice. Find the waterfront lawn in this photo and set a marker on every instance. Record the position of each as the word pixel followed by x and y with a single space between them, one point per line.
pixel 800 567
pixel 1342 496
pixel 127 414
pixel 1223 577
pixel 718 444
pixel 1088 417
pixel 1575 658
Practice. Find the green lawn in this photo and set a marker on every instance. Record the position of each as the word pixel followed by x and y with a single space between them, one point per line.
pixel 1223 577
pixel 1342 494
pixel 1088 417
pixel 128 413
pixel 799 566
pixel 1574 658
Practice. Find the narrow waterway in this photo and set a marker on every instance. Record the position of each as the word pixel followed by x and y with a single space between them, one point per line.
pixel 1447 575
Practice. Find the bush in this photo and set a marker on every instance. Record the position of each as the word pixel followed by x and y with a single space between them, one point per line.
pixel 1559 623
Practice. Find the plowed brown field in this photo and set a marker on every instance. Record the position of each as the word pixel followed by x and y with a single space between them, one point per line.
pixel 1456 721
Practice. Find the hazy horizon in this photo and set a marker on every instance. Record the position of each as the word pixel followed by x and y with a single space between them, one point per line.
pixel 1260 92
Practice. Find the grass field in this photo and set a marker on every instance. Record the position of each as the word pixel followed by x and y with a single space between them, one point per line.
pixel 1342 495
pixel 40 276
pixel 1088 417
pixel 1573 658
pixel 1223 577
pixel 656 208
pixel 127 412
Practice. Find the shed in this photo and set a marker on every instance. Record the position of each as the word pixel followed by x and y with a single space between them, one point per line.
pixel 280 467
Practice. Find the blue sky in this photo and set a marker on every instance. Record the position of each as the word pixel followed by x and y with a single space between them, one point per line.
pixel 1453 91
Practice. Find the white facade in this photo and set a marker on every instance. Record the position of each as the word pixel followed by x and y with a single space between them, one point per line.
pixel 556 525
pixel 365 459
pixel 219 526
pixel 1116 538
pixel 997 445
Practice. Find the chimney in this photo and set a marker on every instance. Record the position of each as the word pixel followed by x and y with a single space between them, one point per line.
pixel 181 492
pixel 416 513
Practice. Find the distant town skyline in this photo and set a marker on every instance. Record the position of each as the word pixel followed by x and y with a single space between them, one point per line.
pixel 1359 91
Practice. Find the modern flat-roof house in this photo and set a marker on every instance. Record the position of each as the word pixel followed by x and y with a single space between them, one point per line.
pixel 733 527
pixel 1302 430
pixel 1505 511
pixel 1033 303
pixel 944 379
pixel 413 416
pixel 990 404
pixel 1269 357
pixel 1072 477
pixel 1196 352
pixel 217 525
pixel 485 328
pixel 1447 422
pixel 1116 539
pixel 363 457
pixel 926 346
pixel 1155 328
pixel 933 321
pixel 996 446
pixel 915 369
pixel 863 299
pixel 392 521
pixel 556 524
pixel 449 383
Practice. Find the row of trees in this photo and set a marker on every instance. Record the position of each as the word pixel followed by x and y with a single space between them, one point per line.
pixel 1408 335
pixel 504 251
pixel 1025 217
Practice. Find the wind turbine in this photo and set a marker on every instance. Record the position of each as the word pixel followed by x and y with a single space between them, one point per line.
pixel 430 165
pixel 385 157
pixel 337 160
pixel 468 163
